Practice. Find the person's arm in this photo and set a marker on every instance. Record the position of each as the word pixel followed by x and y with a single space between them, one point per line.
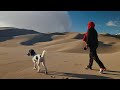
pixel 85 43
pixel 84 37
pixel 86 46
pixel 89 37
pixel 85 40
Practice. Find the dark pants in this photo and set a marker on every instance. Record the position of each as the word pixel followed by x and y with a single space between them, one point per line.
pixel 93 56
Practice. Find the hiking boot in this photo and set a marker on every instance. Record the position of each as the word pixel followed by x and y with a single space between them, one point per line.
pixel 88 68
pixel 101 70
pixel 104 69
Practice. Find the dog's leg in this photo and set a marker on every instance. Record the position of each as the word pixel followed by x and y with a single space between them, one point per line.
pixel 38 65
pixel 43 63
pixel 34 65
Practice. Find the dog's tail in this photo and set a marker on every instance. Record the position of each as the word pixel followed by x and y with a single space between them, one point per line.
pixel 43 53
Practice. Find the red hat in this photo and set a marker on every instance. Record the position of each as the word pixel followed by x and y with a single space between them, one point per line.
pixel 91 25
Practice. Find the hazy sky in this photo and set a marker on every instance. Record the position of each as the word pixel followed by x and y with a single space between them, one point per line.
pixel 62 21
pixel 43 21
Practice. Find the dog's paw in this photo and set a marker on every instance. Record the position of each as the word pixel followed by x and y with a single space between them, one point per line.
pixel 34 68
pixel 38 71
pixel 46 72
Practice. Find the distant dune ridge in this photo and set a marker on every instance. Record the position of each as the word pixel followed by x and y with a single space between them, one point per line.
pixel 65 42
pixel 65 57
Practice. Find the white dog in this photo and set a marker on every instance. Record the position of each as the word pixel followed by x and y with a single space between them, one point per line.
pixel 37 59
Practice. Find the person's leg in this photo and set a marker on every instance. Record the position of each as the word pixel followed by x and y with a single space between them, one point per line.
pixel 101 65
pixel 89 66
pixel 96 58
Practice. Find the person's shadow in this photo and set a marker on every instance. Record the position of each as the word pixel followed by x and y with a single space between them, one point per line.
pixel 78 76
pixel 86 76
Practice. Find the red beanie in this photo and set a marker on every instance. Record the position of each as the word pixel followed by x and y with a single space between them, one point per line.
pixel 91 25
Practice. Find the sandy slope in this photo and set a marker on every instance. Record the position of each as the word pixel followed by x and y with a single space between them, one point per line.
pixel 65 57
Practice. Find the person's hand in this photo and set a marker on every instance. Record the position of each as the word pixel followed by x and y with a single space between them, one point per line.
pixel 86 46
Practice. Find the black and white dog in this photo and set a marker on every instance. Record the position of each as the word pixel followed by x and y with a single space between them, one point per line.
pixel 37 59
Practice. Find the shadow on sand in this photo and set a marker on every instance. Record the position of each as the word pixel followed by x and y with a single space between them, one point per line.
pixel 37 38
pixel 105 45
pixel 78 76
pixel 9 33
pixel 41 38
pixel 110 72
pixel 79 36
pixel 115 36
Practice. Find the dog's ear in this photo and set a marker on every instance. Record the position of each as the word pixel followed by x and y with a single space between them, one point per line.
pixel 31 50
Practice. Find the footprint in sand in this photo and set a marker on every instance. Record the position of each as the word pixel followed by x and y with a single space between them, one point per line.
pixel 77 64
pixel 65 61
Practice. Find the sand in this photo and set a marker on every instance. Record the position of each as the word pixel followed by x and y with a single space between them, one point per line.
pixel 65 57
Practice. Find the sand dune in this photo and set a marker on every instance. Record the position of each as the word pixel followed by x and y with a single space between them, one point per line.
pixel 64 42
pixel 65 57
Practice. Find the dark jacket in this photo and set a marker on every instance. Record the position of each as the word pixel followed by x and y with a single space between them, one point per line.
pixel 92 38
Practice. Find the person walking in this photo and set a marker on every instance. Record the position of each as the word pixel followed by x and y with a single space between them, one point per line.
pixel 91 41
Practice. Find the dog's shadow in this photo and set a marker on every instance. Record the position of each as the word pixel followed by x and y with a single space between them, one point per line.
pixel 78 76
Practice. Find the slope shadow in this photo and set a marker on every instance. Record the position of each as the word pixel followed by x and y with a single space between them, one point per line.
pixel 41 38
pixel 2 39
pixel 79 76
pixel 79 36
pixel 115 36
pixel 16 32
pixel 38 38
pixel 9 33
pixel 58 33
pixel 107 45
